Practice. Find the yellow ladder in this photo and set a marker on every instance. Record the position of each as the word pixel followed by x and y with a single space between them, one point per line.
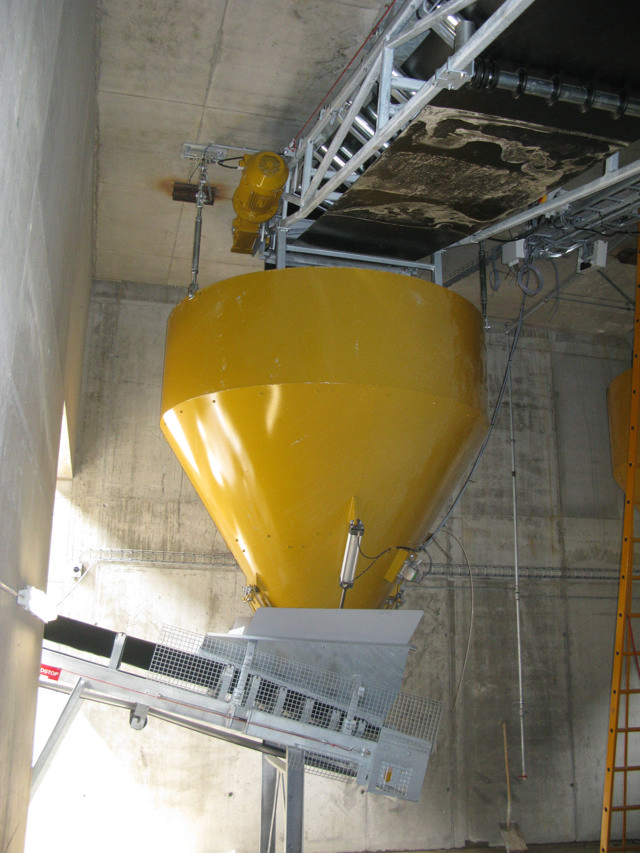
pixel 622 772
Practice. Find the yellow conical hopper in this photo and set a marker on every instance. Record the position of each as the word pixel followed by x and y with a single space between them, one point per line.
pixel 298 400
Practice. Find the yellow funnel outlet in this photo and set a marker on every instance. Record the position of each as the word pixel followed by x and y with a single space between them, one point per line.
pixel 299 400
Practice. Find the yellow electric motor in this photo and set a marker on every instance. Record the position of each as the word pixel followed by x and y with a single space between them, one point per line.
pixel 257 197
pixel 301 400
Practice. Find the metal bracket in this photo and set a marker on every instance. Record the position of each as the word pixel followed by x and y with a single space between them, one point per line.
pixel 138 718
pixel 451 77
pixel 358 692
pixel 118 649
pixel 213 152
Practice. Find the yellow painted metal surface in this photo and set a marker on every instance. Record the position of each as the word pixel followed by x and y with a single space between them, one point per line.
pixel 257 197
pixel 619 406
pixel 298 399
pixel 619 800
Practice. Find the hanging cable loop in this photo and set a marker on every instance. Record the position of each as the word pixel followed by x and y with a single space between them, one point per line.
pixel 524 275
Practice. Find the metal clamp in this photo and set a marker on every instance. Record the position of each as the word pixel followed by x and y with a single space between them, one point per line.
pixel 453 78
pixel 138 717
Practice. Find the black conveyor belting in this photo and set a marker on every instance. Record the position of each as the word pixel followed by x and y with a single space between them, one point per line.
pixel 136 652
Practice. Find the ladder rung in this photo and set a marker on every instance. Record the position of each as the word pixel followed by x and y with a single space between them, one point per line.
pixel 625 645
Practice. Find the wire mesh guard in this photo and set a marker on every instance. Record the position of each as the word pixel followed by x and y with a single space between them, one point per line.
pixel 382 738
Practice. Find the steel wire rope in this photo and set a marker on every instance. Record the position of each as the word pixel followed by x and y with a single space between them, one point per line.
pixel 494 416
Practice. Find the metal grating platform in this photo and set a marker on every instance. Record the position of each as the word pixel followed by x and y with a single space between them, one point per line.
pixel 382 738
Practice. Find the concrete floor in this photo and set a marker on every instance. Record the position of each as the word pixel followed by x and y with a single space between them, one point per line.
pixel 578 847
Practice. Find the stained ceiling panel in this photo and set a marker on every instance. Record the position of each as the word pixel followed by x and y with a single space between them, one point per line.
pixel 450 174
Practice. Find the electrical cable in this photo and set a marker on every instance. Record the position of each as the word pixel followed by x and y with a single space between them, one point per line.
pixel 430 569
pixel 496 409
pixel 374 560
pixel 226 160
pixel 471 618
pixel 494 273
pixel 524 274
pixel 8 589
pixel 556 289
pixel 377 556
pixel 74 587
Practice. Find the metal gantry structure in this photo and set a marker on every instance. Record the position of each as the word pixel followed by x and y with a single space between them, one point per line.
pixel 377 101
pixel 374 101
pixel 621 800
pixel 321 163
pixel 373 104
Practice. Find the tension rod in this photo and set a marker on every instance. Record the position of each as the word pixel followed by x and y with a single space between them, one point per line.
pixel 203 194
pixel 482 266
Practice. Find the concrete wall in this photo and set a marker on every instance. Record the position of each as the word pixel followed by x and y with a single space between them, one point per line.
pixel 47 122
pixel 151 556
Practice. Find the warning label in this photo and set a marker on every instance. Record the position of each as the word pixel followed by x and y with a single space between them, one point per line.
pixel 50 672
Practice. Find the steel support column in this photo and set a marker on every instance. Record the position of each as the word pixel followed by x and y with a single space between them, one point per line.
pixel 268 805
pixel 59 730
pixel 294 813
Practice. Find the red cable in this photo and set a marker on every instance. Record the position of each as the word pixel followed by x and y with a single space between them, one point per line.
pixel 346 68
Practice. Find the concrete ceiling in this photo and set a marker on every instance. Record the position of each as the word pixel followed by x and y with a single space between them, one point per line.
pixel 240 73
pixel 249 75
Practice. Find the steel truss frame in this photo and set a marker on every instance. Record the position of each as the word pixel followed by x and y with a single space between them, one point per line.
pixel 318 170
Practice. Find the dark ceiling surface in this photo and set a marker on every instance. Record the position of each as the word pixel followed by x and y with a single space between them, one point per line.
pixel 473 156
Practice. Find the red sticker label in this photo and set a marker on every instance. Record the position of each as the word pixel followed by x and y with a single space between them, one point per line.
pixel 50 672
